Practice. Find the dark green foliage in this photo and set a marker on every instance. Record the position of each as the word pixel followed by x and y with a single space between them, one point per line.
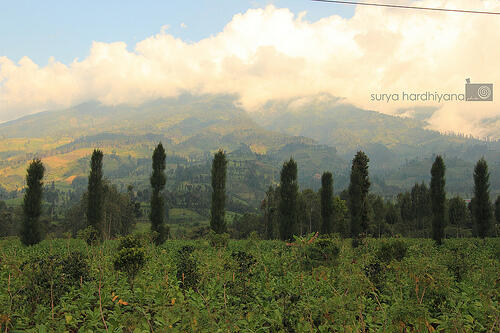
pixel 242 269
pixel 392 217
pixel 217 211
pixel 117 207
pixel 326 203
pixel 323 251
pixel 8 221
pixel 288 191
pixel 392 250
pixel 497 209
pixel 270 207
pixel 457 213
pixel 358 192
pixel 421 203
pixel 130 258
pixel 32 206
pixel 481 207
pixel 246 224
pixel 49 278
pixel 158 181
pixel 187 269
pixel 438 198
pixel 89 235
pixel 95 202
pixel 217 240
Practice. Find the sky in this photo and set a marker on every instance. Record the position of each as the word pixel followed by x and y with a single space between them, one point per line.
pixel 55 54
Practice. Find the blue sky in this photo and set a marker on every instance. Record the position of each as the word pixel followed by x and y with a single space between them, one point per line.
pixel 66 29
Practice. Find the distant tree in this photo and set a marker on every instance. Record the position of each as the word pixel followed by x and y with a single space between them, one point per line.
pixel 457 212
pixel 379 211
pixel 481 203
pixel 341 224
pixel 392 216
pixel 32 206
pixel 421 203
pixel 158 181
pixel 358 194
pixel 270 207
pixel 497 209
pixel 438 198
pixel 217 211
pixel 95 194
pixel 288 189
pixel 326 193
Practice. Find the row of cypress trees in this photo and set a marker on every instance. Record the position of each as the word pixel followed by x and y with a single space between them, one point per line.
pixel 288 192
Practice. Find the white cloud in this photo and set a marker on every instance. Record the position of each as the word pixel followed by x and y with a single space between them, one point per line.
pixel 271 54
pixel 183 25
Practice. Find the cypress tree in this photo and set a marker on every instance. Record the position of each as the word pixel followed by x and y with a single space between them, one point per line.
pixel 288 190
pixel 497 209
pixel 326 193
pixel 438 198
pixel 217 211
pixel 32 206
pixel 158 181
pixel 359 187
pixel 95 202
pixel 481 203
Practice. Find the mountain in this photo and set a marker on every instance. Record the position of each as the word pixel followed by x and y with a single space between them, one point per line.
pixel 388 139
pixel 320 132
pixel 190 128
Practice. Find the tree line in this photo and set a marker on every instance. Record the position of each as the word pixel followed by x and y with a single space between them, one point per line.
pixel 104 213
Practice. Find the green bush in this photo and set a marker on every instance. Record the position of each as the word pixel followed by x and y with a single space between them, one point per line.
pixel 218 240
pixel 393 250
pixel 49 278
pixel 187 270
pixel 130 258
pixel 323 251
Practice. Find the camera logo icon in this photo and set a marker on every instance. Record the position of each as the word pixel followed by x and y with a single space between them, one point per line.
pixel 478 92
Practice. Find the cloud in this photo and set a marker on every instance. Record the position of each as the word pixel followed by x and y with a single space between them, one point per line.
pixel 270 53
pixel 183 25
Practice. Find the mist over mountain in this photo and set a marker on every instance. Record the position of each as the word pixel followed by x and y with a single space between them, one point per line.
pixel 320 132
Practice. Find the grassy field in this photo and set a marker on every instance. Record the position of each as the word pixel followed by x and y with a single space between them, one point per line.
pixel 407 285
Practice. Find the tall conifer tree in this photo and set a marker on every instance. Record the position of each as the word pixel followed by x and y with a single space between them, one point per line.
pixel 288 190
pixel 359 187
pixel 95 202
pixel 481 207
pixel 217 211
pixel 326 193
pixel 438 198
pixel 158 181
pixel 32 206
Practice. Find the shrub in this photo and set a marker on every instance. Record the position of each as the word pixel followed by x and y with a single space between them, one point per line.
pixel 130 258
pixel 394 250
pixel 218 240
pixel 321 252
pixel 89 235
pixel 187 272
pixel 51 277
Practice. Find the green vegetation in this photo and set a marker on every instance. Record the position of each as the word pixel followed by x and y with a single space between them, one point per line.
pixel 358 195
pixel 481 204
pixel 95 196
pixel 325 286
pixel 158 181
pixel 438 199
pixel 32 205
pixel 288 193
pixel 217 209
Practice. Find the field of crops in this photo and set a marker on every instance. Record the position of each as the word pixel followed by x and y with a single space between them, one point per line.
pixel 392 285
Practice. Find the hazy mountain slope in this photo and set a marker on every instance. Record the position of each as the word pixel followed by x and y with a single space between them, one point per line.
pixel 192 128
pixel 388 139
